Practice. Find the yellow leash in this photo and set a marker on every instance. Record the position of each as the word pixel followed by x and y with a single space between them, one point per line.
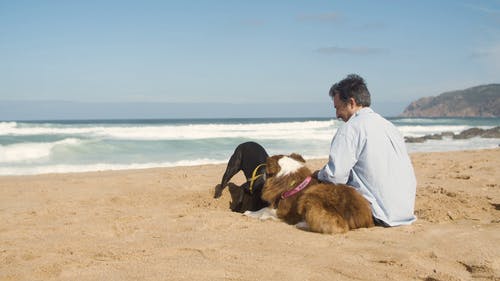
pixel 254 177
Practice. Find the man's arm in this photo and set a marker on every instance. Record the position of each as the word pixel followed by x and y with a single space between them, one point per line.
pixel 344 152
pixel 315 175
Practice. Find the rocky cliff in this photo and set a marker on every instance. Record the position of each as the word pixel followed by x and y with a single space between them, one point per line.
pixel 479 101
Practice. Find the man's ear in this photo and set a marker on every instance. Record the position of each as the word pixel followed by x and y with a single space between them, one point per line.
pixel 352 102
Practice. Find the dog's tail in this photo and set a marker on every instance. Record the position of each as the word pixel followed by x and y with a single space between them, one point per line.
pixel 233 167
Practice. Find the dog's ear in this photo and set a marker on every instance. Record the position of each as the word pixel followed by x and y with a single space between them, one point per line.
pixel 297 157
pixel 272 166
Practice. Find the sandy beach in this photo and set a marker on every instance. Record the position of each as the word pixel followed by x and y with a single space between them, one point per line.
pixel 163 224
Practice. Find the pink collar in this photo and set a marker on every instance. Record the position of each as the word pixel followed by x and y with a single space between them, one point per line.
pixel 297 189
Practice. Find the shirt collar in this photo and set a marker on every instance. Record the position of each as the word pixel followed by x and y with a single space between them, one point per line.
pixel 363 110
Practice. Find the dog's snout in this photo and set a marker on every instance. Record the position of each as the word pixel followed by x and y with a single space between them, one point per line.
pixel 218 191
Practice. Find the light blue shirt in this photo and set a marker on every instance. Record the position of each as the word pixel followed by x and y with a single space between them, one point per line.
pixel 369 153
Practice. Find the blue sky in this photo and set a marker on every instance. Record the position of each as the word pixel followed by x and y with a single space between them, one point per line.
pixel 243 51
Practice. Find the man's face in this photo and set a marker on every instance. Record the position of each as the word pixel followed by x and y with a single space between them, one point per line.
pixel 343 109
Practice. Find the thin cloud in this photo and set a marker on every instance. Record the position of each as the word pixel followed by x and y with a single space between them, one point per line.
pixel 325 17
pixel 358 51
pixel 489 56
pixel 494 14
pixel 491 51
pixel 254 22
pixel 483 9
pixel 479 54
pixel 373 26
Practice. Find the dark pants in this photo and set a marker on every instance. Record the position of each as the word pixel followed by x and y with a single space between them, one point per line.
pixel 378 222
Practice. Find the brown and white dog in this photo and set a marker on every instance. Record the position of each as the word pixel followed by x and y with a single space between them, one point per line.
pixel 326 208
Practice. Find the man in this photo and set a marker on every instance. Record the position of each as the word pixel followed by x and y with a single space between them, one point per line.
pixel 369 153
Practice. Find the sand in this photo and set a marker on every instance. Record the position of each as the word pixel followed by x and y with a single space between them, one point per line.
pixel 163 224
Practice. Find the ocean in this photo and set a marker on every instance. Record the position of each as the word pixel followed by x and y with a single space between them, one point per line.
pixel 38 147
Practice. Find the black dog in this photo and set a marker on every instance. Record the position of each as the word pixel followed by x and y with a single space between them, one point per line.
pixel 249 157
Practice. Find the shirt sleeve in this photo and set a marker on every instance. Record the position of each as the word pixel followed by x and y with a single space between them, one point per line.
pixel 344 152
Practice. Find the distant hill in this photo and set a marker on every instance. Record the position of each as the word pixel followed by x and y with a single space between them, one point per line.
pixel 479 101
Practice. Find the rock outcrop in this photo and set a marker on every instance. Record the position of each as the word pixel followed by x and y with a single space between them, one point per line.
pixel 480 101
pixel 466 134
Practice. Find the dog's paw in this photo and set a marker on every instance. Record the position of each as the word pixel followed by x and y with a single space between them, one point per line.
pixel 302 225
pixel 262 214
pixel 269 214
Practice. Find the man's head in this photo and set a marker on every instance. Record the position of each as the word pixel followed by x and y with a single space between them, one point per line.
pixel 349 96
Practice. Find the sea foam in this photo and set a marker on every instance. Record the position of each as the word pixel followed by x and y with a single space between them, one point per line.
pixel 37 147
pixel 22 152
pixel 319 130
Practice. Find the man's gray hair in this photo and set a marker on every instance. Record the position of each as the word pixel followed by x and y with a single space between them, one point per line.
pixel 353 86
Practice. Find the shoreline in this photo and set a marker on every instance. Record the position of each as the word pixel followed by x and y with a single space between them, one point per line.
pixel 163 224
pixel 223 163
